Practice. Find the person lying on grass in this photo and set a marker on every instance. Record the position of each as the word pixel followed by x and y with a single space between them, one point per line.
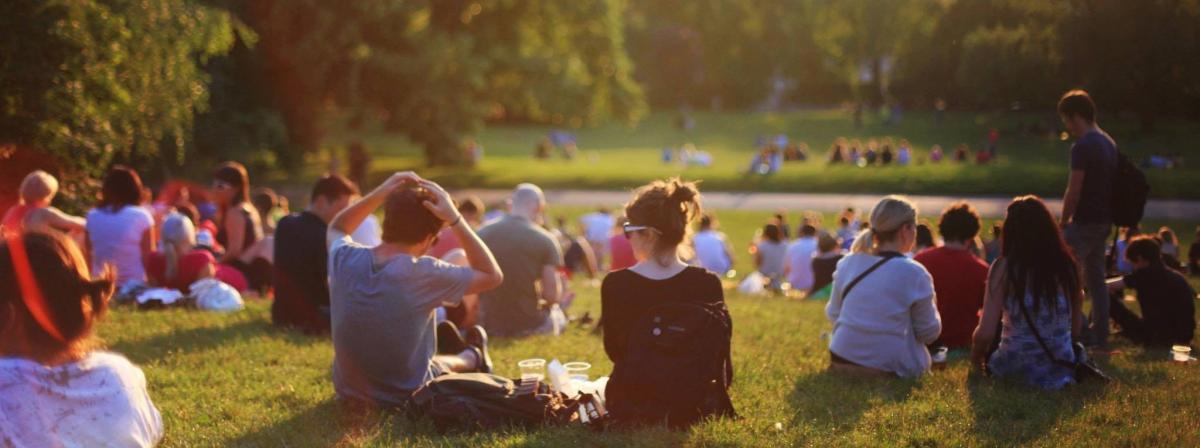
pixel 383 299
pixel 56 388
pixel 1165 297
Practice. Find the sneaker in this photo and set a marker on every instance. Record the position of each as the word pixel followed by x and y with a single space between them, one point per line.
pixel 449 340
pixel 477 338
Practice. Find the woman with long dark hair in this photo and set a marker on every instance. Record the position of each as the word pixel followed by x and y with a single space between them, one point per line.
pixel 120 232
pixel 1033 292
pixel 239 226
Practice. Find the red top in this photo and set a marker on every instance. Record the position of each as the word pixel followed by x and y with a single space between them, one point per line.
pixel 959 280
pixel 188 272
pixel 622 252
pixel 14 218
pixel 447 241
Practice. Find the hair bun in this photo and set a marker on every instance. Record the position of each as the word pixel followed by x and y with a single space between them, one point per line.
pixel 682 192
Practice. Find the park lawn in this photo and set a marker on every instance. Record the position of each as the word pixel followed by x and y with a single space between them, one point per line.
pixel 617 156
pixel 231 379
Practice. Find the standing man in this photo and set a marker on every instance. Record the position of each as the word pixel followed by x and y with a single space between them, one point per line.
pixel 1087 204
pixel 530 258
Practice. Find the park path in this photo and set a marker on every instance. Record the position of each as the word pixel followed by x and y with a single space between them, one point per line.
pixel 826 202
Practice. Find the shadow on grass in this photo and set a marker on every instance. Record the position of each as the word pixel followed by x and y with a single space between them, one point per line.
pixel 1011 414
pixel 834 403
pixel 195 340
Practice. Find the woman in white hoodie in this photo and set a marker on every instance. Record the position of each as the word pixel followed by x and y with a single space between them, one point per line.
pixel 56 389
pixel 882 306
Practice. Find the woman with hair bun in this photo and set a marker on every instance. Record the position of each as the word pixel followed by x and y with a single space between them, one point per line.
pixel 882 305
pixel 658 221
pixel 56 388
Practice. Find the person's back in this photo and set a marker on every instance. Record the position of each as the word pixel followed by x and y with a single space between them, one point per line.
pixel 710 251
pixel 774 256
pixel 1095 153
pixel 55 389
pixel 1020 354
pixel 889 317
pixel 116 238
pixel 523 250
pixel 882 304
pixel 100 400
pixel 299 274
pixel 799 259
pixel 191 267
pixel 960 280
pixel 621 253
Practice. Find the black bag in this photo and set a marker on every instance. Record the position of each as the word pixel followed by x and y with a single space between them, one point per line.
pixel 481 400
pixel 1085 370
pixel 677 369
pixel 1129 193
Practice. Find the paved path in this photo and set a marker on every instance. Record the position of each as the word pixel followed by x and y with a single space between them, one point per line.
pixel 987 206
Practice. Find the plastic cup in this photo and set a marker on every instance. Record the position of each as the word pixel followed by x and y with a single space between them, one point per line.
pixel 1181 353
pixel 533 369
pixel 939 357
pixel 577 371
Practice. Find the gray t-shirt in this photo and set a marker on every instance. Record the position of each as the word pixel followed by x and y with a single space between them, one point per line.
pixel 522 249
pixel 383 319
pixel 773 256
pixel 1096 154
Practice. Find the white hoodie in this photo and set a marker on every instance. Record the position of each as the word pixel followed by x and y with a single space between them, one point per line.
pixel 99 401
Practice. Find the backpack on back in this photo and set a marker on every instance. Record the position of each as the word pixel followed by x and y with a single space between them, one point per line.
pixel 677 369
pixel 1129 192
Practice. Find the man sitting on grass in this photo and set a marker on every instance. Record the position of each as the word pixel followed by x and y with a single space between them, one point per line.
pixel 1168 313
pixel 383 298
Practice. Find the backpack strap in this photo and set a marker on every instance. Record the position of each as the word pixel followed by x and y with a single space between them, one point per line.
pixel 886 257
pixel 1038 336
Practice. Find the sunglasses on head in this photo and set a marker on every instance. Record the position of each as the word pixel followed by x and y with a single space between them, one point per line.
pixel 221 185
pixel 630 229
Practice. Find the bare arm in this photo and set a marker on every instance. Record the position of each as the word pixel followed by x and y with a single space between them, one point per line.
pixel 349 219
pixel 148 242
pixel 1071 197
pixel 59 220
pixel 235 232
pixel 993 308
pixel 550 286
pixel 1077 315
pixel 758 259
pixel 589 257
pixel 479 257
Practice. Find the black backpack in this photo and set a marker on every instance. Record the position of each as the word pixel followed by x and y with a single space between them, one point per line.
pixel 481 400
pixel 1129 192
pixel 677 369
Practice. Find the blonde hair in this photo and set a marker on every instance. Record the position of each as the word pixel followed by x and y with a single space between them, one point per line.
pixel 177 232
pixel 38 186
pixel 887 218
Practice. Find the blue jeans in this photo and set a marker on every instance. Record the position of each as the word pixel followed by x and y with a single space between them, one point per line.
pixel 1089 241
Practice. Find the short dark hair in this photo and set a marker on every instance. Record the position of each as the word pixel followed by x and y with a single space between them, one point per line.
pixel 333 186
pixel 470 204
pixel 1077 103
pixel 924 235
pixel 122 186
pixel 405 218
pixel 1144 247
pixel 771 233
pixel 808 230
pixel 264 199
pixel 959 222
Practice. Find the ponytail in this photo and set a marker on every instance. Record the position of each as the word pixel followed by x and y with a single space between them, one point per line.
pixel 172 266
pixel 864 243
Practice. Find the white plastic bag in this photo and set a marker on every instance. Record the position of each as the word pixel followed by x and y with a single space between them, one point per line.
pixel 166 296
pixel 214 295
pixel 753 284
pixel 558 319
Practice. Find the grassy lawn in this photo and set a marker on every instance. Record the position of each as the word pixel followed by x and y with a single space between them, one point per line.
pixel 233 380
pixel 616 156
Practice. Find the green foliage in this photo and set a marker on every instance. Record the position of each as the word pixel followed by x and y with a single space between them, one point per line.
pixel 1001 66
pixel 435 70
pixel 92 81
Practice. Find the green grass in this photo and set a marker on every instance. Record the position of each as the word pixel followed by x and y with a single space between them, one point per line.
pixel 232 379
pixel 615 156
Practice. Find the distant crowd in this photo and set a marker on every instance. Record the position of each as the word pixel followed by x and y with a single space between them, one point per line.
pixel 418 295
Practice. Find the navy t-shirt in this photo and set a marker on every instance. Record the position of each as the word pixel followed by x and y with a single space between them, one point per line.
pixel 1096 154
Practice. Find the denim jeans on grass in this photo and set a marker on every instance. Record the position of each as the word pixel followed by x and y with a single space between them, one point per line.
pixel 1089 241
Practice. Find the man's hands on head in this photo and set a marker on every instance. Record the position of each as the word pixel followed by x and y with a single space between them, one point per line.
pixel 440 204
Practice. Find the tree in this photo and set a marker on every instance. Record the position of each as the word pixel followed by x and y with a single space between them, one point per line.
pixel 434 70
pixel 92 81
